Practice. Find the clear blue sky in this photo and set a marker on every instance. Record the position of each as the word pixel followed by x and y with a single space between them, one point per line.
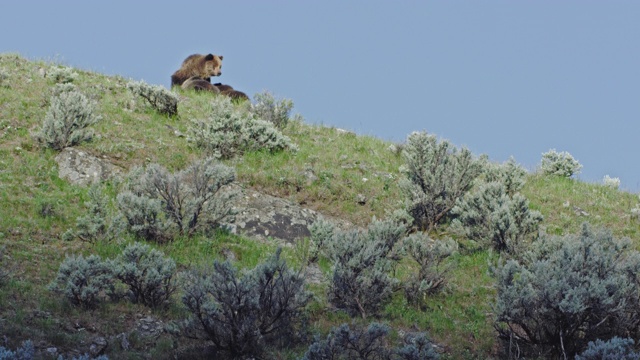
pixel 503 78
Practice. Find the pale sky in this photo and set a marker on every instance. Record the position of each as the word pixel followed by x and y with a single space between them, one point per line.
pixel 503 78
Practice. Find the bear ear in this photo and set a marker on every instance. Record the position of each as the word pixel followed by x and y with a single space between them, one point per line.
pixel 220 57
pixel 209 57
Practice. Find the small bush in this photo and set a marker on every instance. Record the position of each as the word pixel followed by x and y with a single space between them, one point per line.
pixel 148 274
pixel 4 270
pixel 492 218
pixel 559 164
pixel 96 225
pixel 160 99
pixel 429 254
pixel 346 343
pixel 268 109
pixel 160 203
pixel 4 78
pixel 362 262
pixel 568 291
pixel 240 314
pixel 436 175
pixel 62 74
pixel 613 349
pixel 228 132
pixel 67 120
pixel 84 281
pixel 25 352
pixel 509 174
pixel 611 182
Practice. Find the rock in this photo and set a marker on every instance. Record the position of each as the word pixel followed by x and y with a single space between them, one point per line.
pixel 361 199
pixel 124 342
pixel 81 168
pixel 97 346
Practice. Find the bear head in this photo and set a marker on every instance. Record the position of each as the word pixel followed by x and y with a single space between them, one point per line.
pixel 212 65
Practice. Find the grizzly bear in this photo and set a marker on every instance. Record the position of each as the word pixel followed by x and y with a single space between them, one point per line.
pixel 203 66
pixel 199 84
pixel 229 91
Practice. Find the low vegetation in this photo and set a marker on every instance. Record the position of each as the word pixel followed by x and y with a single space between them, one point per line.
pixel 447 255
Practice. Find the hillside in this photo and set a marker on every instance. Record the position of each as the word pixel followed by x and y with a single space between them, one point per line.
pixel 334 172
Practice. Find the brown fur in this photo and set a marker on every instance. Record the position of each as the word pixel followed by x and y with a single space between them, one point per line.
pixel 199 84
pixel 196 65
pixel 235 95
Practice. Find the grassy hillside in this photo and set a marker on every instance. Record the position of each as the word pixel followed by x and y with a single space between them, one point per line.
pixel 331 173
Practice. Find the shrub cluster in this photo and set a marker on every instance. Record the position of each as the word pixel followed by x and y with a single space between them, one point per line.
pixel 160 204
pixel 242 313
pixel 267 108
pixel 85 282
pixel 509 174
pixel 436 175
pixel 614 349
pixel 611 182
pixel 345 343
pixel 228 132
pixel 491 217
pixel 559 164
pixel 67 120
pixel 362 262
pixel 160 99
pixel 566 292
pixel 62 74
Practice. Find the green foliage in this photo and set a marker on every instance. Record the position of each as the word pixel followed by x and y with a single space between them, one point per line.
pixel 436 175
pixel 67 120
pixel 568 291
pixel 62 74
pixel 160 99
pixel 84 281
pixel 148 274
pixel 429 254
pixel 491 217
pixel 362 261
pixel 160 203
pixel 4 78
pixel 614 349
pixel 266 107
pixel 240 314
pixel 559 164
pixel 228 132
pixel 346 343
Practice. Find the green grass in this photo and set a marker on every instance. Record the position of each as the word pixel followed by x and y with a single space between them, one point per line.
pixel 329 173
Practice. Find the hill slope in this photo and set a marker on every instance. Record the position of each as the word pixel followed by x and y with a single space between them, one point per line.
pixel 336 173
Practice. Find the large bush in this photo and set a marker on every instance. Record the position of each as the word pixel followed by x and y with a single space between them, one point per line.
pixel 228 132
pixel 240 314
pixel 67 120
pixel 362 262
pixel 148 274
pixel 559 163
pixel 567 291
pixel 160 203
pixel 436 175
pixel 84 281
pixel 614 349
pixel 491 217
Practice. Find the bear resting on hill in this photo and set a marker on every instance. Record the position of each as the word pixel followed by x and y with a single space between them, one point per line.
pixel 196 65
pixel 200 84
